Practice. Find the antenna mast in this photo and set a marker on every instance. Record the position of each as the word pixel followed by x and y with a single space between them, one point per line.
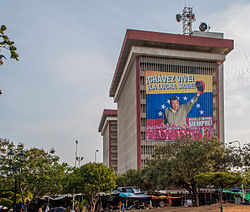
pixel 187 17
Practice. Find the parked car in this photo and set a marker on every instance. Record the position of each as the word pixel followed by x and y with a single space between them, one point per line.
pixel 58 209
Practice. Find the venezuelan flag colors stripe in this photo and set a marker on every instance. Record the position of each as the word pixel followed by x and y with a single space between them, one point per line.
pixel 161 87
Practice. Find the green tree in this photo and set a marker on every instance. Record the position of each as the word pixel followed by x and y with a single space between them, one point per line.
pixel 6 178
pixel 240 158
pixel 246 156
pixel 121 180
pixel 176 163
pixel 220 180
pixel 90 179
pixel 40 174
pixel 6 43
pixel 144 179
pixel 6 193
pixel 247 179
pixel 132 177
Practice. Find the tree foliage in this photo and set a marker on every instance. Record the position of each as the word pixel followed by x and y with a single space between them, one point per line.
pixel 6 178
pixel 219 180
pixel 6 192
pixel 132 177
pixel 246 179
pixel 176 163
pixel 246 156
pixel 6 43
pixel 145 179
pixel 40 174
pixel 90 179
pixel 241 156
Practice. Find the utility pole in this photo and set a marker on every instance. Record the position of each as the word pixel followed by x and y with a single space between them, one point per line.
pixel 79 159
pixel 95 154
pixel 73 204
pixel 76 152
pixel 15 165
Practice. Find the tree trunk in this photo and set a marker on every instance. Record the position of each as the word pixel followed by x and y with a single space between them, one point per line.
pixel 93 207
pixel 196 195
pixel 93 202
pixel 192 190
pixel 220 198
pixel 100 204
pixel 22 196
pixel 195 192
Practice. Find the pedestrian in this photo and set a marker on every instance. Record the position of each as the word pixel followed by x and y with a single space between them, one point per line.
pixel 161 204
pixel 47 208
pixel 40 209
pixel 22 208
pixel 123 207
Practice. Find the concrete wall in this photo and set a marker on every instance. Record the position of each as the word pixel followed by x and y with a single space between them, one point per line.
pixel 127 133
pixel 106 146
pixel 221 103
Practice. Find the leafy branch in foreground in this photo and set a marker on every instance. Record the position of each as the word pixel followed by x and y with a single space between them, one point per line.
pixel 6 43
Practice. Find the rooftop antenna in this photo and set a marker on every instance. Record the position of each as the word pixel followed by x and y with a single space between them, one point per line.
pixel 187 17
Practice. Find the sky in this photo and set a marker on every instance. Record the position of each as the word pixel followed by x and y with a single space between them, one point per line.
pixel 68 51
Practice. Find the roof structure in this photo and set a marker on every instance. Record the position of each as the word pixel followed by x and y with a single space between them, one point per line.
pixel 106 113
pixel 166 41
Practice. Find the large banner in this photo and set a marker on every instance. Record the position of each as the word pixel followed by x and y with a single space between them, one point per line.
pixel 178 104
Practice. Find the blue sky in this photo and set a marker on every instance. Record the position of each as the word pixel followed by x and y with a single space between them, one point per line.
pixel 68 52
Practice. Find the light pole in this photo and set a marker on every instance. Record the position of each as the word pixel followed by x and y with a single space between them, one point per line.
pixel 73 204
pixel 76 152
pixel 242 187
pixel 15 161
pixel 95 154
pixel 79 159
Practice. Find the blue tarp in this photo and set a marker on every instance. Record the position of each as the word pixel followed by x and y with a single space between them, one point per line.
pixel 126 194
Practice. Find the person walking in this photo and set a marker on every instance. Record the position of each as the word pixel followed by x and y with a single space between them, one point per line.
pixel 40 209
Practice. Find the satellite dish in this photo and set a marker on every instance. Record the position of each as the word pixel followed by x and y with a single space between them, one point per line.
pixel 203 27
pixel 178 17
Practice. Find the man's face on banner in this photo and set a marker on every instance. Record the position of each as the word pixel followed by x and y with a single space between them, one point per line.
pixel 175 104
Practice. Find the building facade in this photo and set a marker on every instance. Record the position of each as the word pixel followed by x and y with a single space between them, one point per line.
pixel 108 129
pixel 149 70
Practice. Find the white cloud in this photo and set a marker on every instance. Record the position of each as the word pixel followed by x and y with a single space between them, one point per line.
pixel 81 68
pixel 237 74
pixel 233 22
pixel 241 135
pixel 237 104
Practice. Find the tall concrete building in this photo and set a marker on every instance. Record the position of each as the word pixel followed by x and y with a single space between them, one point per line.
pixel 108 129
pixel 153 71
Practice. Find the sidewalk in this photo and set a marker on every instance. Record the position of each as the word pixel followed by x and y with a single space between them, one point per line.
pixel 210 208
